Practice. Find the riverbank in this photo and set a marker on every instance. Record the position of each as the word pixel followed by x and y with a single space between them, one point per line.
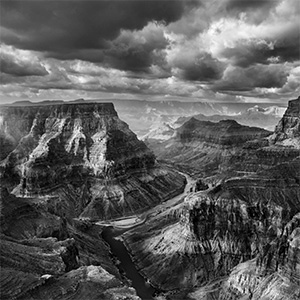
pixel 132 221
pixel 126 266
pixel 113 230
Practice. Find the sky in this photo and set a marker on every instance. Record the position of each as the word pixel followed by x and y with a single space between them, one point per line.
pixel 198 50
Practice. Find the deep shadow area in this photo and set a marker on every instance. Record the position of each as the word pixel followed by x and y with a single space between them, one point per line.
pixel 143 289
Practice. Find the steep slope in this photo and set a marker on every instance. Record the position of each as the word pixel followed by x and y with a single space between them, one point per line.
pixel 287 132
pixel 43 256
pixel 275 274
pixel 213 231
pixel 202 146
pixel 238 240
pixel 85 158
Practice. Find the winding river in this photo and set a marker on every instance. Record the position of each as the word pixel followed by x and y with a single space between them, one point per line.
pixel 113 230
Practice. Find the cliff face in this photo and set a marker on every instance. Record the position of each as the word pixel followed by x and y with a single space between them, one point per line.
pixel 287 132
pixel 281 147
pixel 275 274
pixel 223 133
pixel 275 271
pixel 44 256
pixel 237 240
pixel 80 155
pixel 72 139
pixel 214 231
pixel 202 146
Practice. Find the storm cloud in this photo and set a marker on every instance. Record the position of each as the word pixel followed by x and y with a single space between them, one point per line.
pixel 60 27
pixel 198 49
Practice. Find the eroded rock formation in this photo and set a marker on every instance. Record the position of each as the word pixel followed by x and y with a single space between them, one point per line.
pixel 64 166
pixel 44 256
pixel 287 132
pixel 85 158
pixel 202 147
pixel 246 227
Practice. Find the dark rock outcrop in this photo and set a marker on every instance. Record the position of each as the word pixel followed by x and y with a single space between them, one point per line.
pixel 43 256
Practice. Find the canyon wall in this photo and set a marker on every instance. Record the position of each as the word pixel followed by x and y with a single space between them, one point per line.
pixel 83 157
pixel 203 147
pixel 65 166
pixel 239 238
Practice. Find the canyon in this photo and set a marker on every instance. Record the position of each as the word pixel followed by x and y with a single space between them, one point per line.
pixel 65 167
pixel 230 231
pixel 239 238
pixel 84 158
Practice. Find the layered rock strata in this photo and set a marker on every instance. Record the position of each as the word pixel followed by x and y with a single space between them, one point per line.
pixel 246 228
pixel 215 231
pixel 43 256
pixel 274 274
pixel 287 132
pixel 63 166
pixel 201 146
pixel 83 157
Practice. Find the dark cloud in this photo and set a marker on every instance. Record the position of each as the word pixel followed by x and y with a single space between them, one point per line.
pixel 287 45
pixel 244 5
pixel 138 50
pixel 92 55
pixel 248 52
pixel 18 67
pixel 59 27
pixel 247 79
pixel 284 47
pixel 203 67
pixel 160 47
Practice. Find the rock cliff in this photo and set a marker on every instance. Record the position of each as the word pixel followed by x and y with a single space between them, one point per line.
pixel 200 147
pixel 214 230
pixel 287 132
pixel 43 256
pixel 224 133
pixel 84 157
pixel 237 240
pixel 64 166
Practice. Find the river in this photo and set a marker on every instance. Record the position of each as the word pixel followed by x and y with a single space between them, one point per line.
pixel 110 234
pixel 143 289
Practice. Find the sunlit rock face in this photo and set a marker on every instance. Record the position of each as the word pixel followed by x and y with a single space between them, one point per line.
pixel 214 231
pixel 72 139
pixel 84 157
pixel 287 132
pixel 273 275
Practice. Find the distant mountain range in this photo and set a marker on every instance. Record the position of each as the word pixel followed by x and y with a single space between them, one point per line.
pixel 146 118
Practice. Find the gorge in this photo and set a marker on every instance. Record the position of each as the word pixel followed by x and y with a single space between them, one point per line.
pixel 71 171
